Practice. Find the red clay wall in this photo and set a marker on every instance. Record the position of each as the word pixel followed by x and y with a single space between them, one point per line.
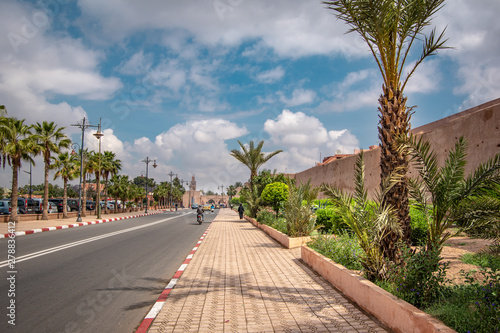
pixel 479 125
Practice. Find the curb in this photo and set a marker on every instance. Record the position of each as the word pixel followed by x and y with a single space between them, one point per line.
pixel 150 317
pixel 74 225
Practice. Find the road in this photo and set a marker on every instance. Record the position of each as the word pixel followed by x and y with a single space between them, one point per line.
pixel 99 278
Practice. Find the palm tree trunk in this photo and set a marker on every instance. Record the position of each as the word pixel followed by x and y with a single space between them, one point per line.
pixel 84 194
pixel 65 199
pixel 13 214
pixel 394 123
pixel 45 213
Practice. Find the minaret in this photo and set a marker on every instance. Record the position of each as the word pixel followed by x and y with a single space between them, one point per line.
pixel 193 184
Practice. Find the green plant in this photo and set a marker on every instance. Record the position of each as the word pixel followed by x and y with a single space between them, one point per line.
pixel 275 193
pixel 371 222
pixel 419 227
pixel 265 216
pixel 472 307
pixel 299 217
pixel 344 249
pixel 485 260
pixel 235 201
pixel 419 277
pixel 449 191
pixel 330 220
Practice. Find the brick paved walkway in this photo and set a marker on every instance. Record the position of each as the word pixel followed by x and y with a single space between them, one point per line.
pixel 240 280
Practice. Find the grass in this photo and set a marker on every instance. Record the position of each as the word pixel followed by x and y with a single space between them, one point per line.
pixel 485 260
pixel 343 249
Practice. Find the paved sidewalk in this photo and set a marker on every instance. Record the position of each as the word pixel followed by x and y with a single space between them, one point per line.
pixel 240 280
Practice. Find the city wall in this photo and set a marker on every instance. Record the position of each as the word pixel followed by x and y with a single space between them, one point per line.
pixel 479 125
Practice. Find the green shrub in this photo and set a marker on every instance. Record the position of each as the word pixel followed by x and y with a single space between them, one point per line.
pixel 420 276
pixel 344 249
pixel 419 227
pixel 300 219
pixel 472 307
pixel 485 260
pixel 235 201
pixel 330 221
pixel 266 216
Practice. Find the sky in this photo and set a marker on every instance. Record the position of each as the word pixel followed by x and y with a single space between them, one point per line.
pixel 182 81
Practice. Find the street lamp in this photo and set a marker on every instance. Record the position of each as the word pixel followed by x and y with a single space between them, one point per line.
pixel 83 126
pixel 222 193
pixel 30 177
pixel 147 161
pixel 99 135
pixel 170 196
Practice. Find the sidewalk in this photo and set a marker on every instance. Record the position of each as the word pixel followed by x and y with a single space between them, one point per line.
pixel 240 280
pixel 39 224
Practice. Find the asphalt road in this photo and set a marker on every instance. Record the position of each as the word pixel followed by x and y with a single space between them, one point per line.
pixel 100 278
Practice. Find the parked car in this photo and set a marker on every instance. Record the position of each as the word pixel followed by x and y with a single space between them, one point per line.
pixel 194 206
pixel 4 207
pixel 59 204
pixel 21 205
pixel 73 204
pixel 34 206
pixel 90 205
pixel 52 209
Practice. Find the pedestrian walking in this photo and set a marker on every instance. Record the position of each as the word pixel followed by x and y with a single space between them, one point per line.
pixel 240 211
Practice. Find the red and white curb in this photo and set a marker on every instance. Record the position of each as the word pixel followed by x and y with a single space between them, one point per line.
pixel 74 225
pixel 148 320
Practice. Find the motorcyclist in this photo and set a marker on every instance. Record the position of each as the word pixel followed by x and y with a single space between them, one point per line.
pixel 200 211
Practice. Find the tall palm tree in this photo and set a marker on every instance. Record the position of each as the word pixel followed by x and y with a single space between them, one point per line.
pixel 391 28
pixel 110 166
pixel 17 145
pixel 66 166
pixel 3 111
pixel 253 157
pixel 50 139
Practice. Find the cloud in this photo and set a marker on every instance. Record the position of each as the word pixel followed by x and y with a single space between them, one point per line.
pixel 292 28
pixel 137 64
pixel 300 96
pixel 45 65
pixel 303 139
pixel 472 31
pixel 271 76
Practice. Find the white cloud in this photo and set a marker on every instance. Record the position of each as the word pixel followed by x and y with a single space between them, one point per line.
pixel 292 28
pixel 271 76
pixel 300 96
pixel 472 31
pixel 303 138
pixel 139 63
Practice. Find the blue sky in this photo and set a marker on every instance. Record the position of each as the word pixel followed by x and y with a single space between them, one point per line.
pixel 182 81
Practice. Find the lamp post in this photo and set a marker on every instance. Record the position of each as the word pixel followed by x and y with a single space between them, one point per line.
pixel 170 196
pixel 222 192
pixel 83 126
pixel 30 177
pixel 147 161
pixel 99 135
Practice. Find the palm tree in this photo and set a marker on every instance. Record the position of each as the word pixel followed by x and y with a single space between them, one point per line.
pixel 50 139
pixel 67 168
pixel 17 144
pixel 370 222
pixel 391 28
pixel 3 111
pixel 110 166
pixel 252 157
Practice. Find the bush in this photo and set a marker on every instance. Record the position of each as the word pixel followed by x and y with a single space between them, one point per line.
pixel 300 219
pixel 344 249
pixel 235 201
pixel 419 227
pixel 266 216
pixel 330 221
pixel 420 277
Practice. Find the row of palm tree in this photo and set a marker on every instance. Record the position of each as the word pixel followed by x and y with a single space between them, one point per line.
pixel 20 142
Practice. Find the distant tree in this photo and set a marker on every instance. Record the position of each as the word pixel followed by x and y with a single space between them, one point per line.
pixel 275 194
pixel 49 139
pixel 66 166
pixel 16 145
pixel 209 192
pixel 253 157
